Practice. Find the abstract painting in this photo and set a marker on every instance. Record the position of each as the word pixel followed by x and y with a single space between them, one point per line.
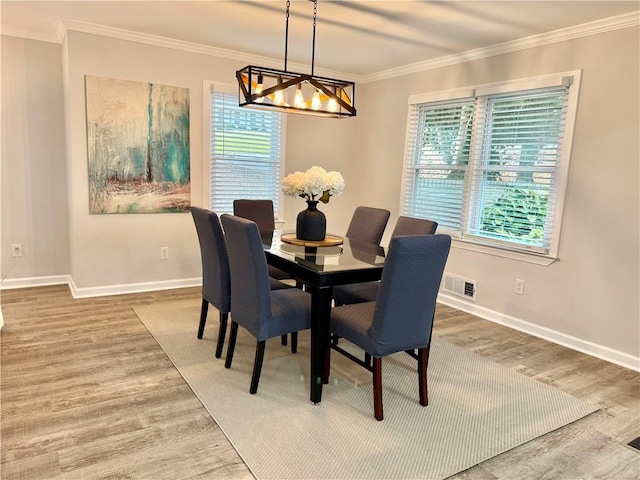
pixel 138 147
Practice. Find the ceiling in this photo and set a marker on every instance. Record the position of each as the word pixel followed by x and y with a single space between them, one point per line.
pixel 357 38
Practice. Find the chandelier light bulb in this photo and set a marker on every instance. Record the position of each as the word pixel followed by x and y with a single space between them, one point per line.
pixel 278 96
pixel 333 103
pixel 298 101
pixel 315 101
pixel 259 88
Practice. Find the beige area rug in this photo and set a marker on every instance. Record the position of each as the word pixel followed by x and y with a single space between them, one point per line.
pixel 477 408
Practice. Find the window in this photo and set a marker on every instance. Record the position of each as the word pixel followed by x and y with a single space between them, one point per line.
pixel 246 152
pixel 489 164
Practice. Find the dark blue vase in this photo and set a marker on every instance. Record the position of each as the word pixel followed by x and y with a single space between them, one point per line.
pixel 311 224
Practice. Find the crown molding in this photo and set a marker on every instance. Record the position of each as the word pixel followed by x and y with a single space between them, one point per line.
pixel 66 24
pixel 592 28
pixel 11 31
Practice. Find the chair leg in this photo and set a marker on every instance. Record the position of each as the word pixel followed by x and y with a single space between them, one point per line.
pixel 257 367
pixel 203 317
pixel 232 344
pixel 367 358
pixel 284 340
pixel 222 331
pixel 294 342
pixel 377 388
pixel 423 356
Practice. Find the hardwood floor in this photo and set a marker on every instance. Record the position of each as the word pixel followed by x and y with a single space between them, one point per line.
pixel 87 393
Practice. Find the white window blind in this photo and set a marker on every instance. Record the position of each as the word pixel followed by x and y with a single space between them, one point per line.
pixel 491 168
pixel 517 153
pixel 246 153
pixel 438 158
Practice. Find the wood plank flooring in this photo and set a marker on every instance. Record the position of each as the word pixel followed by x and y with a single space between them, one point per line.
pixel 87 393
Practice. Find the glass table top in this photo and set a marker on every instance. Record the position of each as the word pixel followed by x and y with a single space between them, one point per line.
pixel 351 255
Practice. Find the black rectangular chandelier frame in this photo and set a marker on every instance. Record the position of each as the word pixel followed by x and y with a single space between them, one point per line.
pixel 258 88
pixel 291 92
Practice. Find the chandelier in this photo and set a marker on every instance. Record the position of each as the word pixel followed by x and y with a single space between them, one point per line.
pixel 290 92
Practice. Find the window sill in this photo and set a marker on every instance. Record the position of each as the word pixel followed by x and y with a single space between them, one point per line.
pixel 504 253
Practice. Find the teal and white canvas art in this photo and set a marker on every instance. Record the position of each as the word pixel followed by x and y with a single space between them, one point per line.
pixel 138 146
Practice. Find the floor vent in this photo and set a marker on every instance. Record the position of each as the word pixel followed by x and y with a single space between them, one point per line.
pixel 635 443
pixel 459 286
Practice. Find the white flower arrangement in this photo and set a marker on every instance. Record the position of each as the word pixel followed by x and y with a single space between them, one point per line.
pixel 316 184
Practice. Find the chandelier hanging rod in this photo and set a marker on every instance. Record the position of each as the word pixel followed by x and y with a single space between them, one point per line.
pixel 286 34
pixel 313 42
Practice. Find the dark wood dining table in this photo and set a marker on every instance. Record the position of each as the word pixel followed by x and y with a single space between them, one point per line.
pixel 321 268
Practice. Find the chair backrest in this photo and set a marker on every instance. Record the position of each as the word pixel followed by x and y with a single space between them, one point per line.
pixel 216 280
pixel 368 224
pixel 406 301
pixel 414 226
pixel 251 300
pixel 258 211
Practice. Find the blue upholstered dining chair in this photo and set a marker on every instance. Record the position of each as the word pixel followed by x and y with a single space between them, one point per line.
pixel 367 291
pixel 401 318
pixel 367 224
pixel 265 313
pixel 216 278
pixel 216 281
pixel 261 212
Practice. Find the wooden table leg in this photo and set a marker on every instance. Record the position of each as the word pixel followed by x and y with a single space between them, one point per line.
pixel 320 313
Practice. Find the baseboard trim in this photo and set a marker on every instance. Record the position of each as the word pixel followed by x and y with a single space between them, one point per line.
pixel 595 350
pixel 132 287
pixel 76 292
pixel 12 283
pixel 26 282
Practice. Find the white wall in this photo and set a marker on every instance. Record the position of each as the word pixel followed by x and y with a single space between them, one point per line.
pixel 592 292
pixel 110 250
pixel 34 205
pixel 124 249
pixel 333 145
pixel 591 295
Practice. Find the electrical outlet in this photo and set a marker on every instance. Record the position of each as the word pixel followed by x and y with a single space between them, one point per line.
pixel 16 250
pixel 164 253
pixel 519 287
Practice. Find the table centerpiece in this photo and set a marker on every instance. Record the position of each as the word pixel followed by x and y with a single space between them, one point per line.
pixel 315 185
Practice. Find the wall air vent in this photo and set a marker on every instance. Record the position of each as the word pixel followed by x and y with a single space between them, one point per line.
pixel 459 286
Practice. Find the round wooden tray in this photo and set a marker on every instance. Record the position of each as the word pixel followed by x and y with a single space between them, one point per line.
pixel 300 250
pixel 329 240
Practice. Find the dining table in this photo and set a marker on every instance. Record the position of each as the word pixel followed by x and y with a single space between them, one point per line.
pixel 319 266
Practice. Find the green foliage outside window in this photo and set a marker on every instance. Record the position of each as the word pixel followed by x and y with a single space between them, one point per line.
pixel 518 214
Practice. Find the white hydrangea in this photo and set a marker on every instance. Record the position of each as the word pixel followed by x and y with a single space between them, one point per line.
pixel 316 184
pixel 335 183
pixel 293 184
